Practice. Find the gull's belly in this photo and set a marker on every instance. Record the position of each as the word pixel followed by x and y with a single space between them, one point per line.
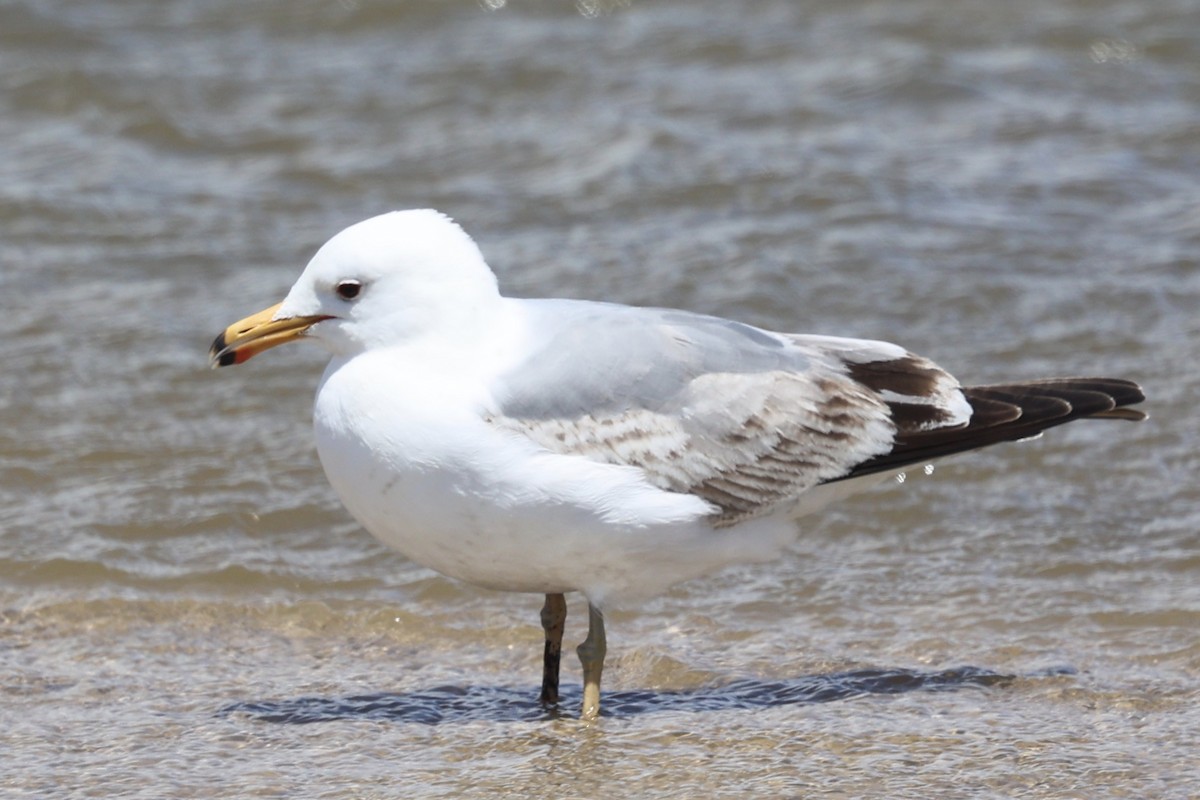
pixel 464 516
pixel 426 475
pixel 405 460
pixel 499 521
pixel 433 515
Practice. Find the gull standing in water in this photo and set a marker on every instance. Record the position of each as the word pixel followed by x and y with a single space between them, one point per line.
pixel 553 446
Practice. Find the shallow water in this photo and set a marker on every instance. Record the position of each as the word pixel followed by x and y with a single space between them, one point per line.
pixel 1008 188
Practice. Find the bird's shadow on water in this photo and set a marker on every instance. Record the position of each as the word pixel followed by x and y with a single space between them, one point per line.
pixel 449 704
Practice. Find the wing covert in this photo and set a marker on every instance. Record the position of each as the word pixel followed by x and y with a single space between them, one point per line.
pixel 744 418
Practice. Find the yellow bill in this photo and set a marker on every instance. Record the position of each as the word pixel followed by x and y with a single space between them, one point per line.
pixel 248 337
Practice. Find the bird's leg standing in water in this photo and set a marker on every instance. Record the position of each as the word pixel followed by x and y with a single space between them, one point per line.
pixel 554 614
pixel 591 655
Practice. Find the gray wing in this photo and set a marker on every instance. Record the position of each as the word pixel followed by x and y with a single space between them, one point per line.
pixel 744 418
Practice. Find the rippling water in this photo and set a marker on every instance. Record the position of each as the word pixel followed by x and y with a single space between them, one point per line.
pixel 1010 188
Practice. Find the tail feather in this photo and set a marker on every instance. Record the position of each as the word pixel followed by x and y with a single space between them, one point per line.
pixel 1010 412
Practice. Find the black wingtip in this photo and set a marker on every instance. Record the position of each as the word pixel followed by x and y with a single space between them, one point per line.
pixel 1012 412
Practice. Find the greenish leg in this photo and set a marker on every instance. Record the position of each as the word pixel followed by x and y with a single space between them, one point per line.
pixel 554 614
pixel 591 655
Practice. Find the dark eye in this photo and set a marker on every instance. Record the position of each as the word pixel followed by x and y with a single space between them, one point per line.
pixel 348 290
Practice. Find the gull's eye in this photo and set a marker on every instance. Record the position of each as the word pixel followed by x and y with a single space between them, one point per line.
pixel 348 290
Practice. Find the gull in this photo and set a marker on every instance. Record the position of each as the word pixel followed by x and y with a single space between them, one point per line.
pixel 552 446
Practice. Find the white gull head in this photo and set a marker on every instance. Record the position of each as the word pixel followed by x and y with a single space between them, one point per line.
pixel 392 279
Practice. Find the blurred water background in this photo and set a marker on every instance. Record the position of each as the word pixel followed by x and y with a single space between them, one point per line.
pixel 1010 188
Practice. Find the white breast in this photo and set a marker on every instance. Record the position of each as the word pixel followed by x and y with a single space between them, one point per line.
pixel 419 468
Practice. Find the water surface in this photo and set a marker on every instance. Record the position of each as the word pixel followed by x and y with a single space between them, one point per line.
pixel 1009 188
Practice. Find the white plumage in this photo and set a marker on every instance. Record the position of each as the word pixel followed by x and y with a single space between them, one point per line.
pixel 553 446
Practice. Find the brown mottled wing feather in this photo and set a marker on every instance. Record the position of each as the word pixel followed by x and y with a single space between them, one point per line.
pixel 744 442
pixel 1009 412
pixel 914 389
pixel 747 420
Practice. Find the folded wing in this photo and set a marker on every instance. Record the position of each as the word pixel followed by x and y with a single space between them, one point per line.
pixel 749 419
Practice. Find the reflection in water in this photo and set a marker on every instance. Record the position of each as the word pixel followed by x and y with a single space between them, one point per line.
pixel 518 704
